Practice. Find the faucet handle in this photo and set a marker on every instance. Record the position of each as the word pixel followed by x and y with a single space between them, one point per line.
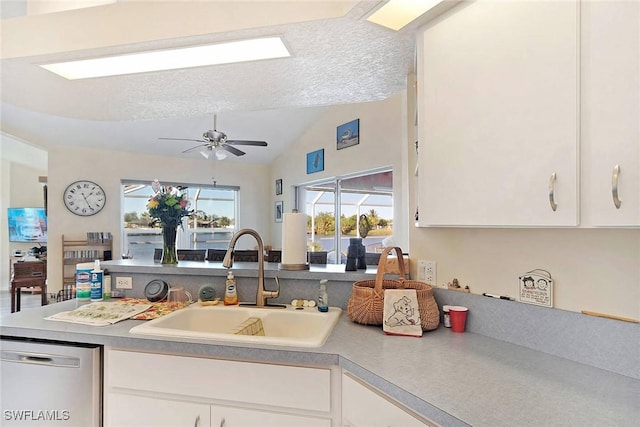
pixel 273 294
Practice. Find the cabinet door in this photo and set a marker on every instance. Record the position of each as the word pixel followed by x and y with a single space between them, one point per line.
pixel 498 115
pixel 126 410
pixel 362 407
pixel 238 417
pixel 611 112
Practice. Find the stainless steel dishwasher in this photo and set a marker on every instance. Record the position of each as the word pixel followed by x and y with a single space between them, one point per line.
pixel 46 383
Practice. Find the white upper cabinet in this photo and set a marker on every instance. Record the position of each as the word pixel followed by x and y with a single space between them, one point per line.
pixel 610 141
pixel 498 115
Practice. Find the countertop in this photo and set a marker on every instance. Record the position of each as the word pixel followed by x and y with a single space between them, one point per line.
pixel 451 379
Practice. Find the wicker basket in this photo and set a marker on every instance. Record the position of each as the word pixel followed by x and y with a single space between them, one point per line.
pixel 366 304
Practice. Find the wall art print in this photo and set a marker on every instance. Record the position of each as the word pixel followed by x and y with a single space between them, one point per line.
pixel 315 161
pixel 348 134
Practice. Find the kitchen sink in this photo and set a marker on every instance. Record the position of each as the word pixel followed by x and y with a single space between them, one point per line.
pixel 288 326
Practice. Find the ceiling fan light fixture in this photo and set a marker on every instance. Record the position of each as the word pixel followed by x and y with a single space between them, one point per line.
pixel 220 154
pixel 172 59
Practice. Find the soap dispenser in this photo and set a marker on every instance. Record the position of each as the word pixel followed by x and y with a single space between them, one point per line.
pixel 230 294
pixel 323 298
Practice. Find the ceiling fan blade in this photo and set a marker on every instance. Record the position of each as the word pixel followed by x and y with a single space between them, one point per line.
pixel 186 139
pixel 193 148
pixel 233 150
pixel 245 142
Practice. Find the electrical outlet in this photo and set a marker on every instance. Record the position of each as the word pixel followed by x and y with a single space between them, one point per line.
pixel 427 272
pixel 124 283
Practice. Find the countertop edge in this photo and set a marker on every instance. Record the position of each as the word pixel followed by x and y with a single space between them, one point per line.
pixel 417 377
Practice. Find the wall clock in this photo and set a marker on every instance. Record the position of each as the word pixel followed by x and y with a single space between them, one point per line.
pixel 84 198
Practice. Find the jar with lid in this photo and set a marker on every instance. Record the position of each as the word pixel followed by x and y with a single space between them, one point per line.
pixel 446 318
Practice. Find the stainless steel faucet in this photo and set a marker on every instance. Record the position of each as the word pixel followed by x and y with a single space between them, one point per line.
pixel 262 294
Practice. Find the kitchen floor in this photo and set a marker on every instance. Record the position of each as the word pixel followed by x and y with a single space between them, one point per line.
pixel 27 300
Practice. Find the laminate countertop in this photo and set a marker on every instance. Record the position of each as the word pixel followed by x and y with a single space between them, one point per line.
pixel 452 379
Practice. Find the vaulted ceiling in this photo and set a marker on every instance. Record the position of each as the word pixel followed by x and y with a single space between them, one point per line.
pixel 337 57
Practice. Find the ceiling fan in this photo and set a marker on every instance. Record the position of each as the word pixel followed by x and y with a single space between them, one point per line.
pixel 214 141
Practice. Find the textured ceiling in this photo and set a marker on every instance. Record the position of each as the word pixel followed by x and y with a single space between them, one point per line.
pixel 334 61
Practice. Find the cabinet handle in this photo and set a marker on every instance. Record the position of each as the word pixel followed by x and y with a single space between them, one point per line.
pixel 614 186
pixel 197 423
pixel 223 422
pixel 552 187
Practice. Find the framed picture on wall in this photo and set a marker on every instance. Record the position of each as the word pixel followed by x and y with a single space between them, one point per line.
pixel 278 187
pixel 348 134
pixel 279 210
pixel 315 161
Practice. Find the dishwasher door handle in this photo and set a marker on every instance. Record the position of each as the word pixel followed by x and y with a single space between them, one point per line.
pixel 40 359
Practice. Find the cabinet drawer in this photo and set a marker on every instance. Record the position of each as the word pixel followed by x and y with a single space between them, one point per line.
pixel 257 383
pixel 125 410
pixel 241 417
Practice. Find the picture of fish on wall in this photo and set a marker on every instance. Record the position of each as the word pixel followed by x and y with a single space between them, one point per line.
pixel 315 161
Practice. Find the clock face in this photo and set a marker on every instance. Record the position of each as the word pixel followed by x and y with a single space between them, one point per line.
pixel 84 198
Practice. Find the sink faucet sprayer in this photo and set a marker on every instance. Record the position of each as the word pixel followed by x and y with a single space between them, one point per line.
pixel 262 294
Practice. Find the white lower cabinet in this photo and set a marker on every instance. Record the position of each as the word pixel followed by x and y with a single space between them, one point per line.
pixel 363 406
pixel 128 410
pixel 161 390
pixel 149 389
pixel 240 417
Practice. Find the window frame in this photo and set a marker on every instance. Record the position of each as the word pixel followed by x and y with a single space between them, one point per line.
pixel 187 235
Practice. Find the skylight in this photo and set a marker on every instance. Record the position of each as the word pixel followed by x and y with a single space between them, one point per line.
pixel 397 13
pixel 172 59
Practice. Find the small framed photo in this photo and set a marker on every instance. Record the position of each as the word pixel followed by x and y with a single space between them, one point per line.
pixel 348 134
pixel 278 187
pixel 315 161
pixel 279 210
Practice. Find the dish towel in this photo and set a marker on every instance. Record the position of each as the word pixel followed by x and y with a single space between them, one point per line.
pixel 100 313
pixel 401 314
pixel 251 326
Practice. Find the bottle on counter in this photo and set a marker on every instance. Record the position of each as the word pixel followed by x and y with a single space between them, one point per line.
pixel 230 293
pixel 323 297
pixel 106 285
pixel 96 282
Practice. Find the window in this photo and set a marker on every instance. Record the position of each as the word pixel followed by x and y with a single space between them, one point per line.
pixel 213 225
pixel 369 194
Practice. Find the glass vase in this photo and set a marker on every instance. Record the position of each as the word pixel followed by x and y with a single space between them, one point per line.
pixel 169 253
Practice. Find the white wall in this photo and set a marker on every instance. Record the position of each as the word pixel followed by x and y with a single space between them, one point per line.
pixel 382 132
pixel 24 164
pixel 108 168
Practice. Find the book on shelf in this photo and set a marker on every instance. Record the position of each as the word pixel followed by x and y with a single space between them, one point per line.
pixel 99 237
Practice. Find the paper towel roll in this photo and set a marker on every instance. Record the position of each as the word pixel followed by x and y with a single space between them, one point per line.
pixel 294 239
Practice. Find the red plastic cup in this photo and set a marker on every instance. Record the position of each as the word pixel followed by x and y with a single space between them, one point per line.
pixel 458 316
